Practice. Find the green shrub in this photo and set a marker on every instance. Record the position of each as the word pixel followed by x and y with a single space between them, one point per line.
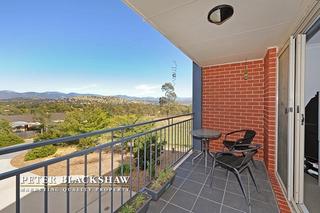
pixel 126 169
pixel 151 142
pixel 134 205
pixel 9 139
pixel 40 152
pixel 85 143
pixel 162 178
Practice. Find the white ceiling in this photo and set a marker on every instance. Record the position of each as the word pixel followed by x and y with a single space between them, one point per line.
pixel 255 26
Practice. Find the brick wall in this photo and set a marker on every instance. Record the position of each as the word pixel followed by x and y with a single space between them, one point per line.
pixel 231 102
pixel 270 64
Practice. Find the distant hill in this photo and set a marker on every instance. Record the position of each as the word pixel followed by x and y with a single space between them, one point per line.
pixel 8 95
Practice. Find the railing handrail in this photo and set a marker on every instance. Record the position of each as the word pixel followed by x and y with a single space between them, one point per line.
pixel 69 139
pixel 41 164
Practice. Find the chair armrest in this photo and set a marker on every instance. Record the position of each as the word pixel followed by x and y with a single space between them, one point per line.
pixel 233 132
pixel 249 147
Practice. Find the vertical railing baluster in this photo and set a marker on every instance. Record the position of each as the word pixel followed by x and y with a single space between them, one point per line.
pixel 150 159
pixel 100 173
pixel 122 144
pixel 145 159
pixel 185 137
pixel 18 193
pixel 68 185
pixel 46 189
pixel 172 142
pixel 183 145
pixel 166 146
pixel 112 150
pixel 179 139
pixel 175 143
pixel 138 164
pixel 85 184
pixel 190 128
pixel 130 168
pixel 156 155
pixel 161 150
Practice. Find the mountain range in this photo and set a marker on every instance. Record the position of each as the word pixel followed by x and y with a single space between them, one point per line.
pixel 7 95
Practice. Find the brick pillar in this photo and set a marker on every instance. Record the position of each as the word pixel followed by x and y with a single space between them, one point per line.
pixel 269 120
pixel 270 87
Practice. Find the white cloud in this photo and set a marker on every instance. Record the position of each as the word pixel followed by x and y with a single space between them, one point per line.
pixel 146 89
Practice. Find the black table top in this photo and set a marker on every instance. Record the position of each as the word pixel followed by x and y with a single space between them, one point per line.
pixel 206 134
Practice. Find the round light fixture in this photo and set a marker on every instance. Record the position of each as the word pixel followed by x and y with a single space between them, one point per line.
pixel 220 14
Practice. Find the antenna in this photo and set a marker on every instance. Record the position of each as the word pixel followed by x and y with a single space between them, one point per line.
pixel 174 72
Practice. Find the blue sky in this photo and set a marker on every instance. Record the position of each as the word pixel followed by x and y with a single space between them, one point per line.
pixel 85 46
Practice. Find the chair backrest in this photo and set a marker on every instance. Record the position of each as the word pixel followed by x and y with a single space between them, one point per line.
pixel 247 138
pixel 249 152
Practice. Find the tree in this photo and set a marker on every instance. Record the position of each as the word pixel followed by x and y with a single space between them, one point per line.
pixel 79 121
pixel 7 137
pixel 42 116
pixel 168 100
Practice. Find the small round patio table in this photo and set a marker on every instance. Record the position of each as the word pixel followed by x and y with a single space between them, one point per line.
pixel 205 135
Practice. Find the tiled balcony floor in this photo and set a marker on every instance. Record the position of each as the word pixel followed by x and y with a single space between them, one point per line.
pixel 191 191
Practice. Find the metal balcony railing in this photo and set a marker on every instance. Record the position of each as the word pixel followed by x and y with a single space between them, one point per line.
pixel 169 141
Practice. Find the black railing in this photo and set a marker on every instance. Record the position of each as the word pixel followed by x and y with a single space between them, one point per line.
pixel 168 140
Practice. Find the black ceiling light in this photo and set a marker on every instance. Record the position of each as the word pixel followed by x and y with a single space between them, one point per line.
pixel 220 14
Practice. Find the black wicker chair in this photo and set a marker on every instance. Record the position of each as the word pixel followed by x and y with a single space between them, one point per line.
pixel 237 161
pixel 240 143
pixel 246 139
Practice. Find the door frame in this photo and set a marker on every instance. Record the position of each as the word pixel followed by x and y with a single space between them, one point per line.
pixel 299 119
pixel 290 46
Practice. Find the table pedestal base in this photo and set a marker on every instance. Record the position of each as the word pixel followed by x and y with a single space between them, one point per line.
pixel 204 151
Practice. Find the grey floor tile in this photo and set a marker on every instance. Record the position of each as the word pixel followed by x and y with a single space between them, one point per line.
pixel 191 187
pixel 183 173
pixel 167 195
pixel 202 169
pixel 205 206
pixel 213 194
pixel 198 177
pixel 183 199
pixel 156 206
pixel 178 181
pixel 261 207
pixel 186 165
pixel 264 185
pixel 235 201
pixel 232 177
pixel 173 209
pixel 260 174
pixel 216 182
pixel 235 187
pixel 220 173
pixel 264 196
pixel 226 209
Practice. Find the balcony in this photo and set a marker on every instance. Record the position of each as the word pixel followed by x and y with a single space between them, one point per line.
pixel 190 192
pixel 146 148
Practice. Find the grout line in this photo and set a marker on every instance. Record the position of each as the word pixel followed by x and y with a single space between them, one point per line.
pixel 230 207
pixel 203 185
pixel 224 192
pixel 212 201
pixel 179 187
pixel 174 205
